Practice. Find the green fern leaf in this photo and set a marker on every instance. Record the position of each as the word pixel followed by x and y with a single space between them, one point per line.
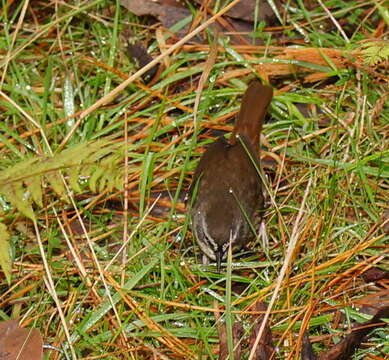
pixel 98 172
pixel 55 180
pixel 119 182
pixel 5 259
pixel 18 197
pixel 74 175
pixel 34 186
pixel 98 162
pixel 375 52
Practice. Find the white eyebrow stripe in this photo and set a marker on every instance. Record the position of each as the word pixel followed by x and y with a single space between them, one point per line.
pixel 206 233
pixel 233 237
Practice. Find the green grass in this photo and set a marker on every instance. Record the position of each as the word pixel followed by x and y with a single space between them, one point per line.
pixel 333 130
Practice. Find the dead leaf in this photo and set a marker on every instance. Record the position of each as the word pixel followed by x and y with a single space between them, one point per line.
pixel 138 53
pixel 372 304
pixel 19 343
pixel 265 348
pixel 345 348
pixel 375 274
pixel 245 11
pixel 223 347
pixel 237 20
pixel 237 333
pixel 307 352
pixel 168 12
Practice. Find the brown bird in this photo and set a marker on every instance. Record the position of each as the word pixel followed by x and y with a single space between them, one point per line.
pixel 226 192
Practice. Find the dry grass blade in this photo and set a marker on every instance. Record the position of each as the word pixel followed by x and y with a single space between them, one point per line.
pixel 172 342
pixel 211 59
pixel 288 257
pixel 14 36
pixel 51 288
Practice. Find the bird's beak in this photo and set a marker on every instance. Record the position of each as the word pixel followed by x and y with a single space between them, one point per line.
pixel 219 258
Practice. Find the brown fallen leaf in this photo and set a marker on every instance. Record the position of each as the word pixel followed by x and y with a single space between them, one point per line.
pixel 245 10
pixel 223 347
pixel 239 19
pixel 19 343
pixel 237 333
pixel 372 304
pixel 265 348
pixel 345 348
pixel 168 12
pixel 375 274
pixel 138 53
pixel 307 352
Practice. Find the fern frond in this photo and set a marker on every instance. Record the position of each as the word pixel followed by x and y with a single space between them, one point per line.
pixel 375 52
pixel 98 162
pixel 5 259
